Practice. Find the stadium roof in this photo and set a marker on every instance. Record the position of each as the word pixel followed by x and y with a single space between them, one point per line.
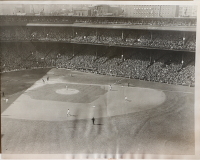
pixel 120 26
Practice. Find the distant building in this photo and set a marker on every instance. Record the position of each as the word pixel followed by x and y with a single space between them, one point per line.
pixel 187 11
pixel 101 10
pixel 19 9
pixel 106 10
pixel 116 10
pixel 151 11
pixel 142 11
pixel 168 11
pixel 63 12
pixel 82 12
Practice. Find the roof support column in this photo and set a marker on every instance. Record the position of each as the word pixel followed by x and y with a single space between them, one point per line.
pixel 96 51
pixel 73 49
pixel 97 38
pixel 72 32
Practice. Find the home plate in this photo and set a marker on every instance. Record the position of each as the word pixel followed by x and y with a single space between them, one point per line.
pixel 68 91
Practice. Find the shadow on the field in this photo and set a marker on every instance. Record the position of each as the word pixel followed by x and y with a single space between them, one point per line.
pixel 74 115
pixel 98 124
pixel 128 100
pixel 114 90
pixel 18 83
pixel 0 141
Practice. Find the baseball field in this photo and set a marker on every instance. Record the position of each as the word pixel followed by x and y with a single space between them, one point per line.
pixel 130 117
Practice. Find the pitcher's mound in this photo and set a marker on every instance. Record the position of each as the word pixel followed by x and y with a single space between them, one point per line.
pixel 68 91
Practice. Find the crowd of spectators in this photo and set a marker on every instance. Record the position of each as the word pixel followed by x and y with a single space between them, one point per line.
pixel 138 66
pixel 19 56
pixel 140 21
pixel 35 33
pixel 100 20
pixel 158 66
pixel 155 39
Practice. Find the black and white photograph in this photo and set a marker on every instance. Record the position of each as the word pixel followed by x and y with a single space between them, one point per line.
pixel 98 79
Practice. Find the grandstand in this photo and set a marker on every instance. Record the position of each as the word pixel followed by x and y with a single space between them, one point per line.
pixel 152 41
pixel 143 58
